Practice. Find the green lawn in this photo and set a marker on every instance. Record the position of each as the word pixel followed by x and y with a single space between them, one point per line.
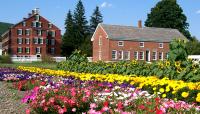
pixel 34 64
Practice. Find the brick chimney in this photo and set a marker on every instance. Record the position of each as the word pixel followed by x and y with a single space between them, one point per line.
pixel 140 24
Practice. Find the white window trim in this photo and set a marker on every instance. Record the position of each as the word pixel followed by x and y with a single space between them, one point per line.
pixel 115 55
pixel 27 48
pixel 100 40
pixel 37 17
pixel 36 40
pixel 142 55
pixel 161 56
pixel 39 50
pixel 161 44
pixel 39 32
pixel 120 42
pixel 142 43
pixel 28 32
pixel 50 25
pixel 155 55
pixel 122 56
pixel 28 40
pixel 128 55
pixel 24 23
pixel 136 55
pixel 19 30
pixel 18 40
pixel 34 23
pixel 40 40
pixel 19 48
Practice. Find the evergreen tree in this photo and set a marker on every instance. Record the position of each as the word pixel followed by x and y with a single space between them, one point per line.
pixel 193 47
pixel 81 27
pixel 168 14
pixel 68 44
pixel 96 18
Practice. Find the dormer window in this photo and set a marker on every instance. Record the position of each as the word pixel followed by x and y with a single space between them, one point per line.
pixel 24 23
pixel 120 43
pixel 37 17
pixel 50 25
pixel 141 44
pixel 160 45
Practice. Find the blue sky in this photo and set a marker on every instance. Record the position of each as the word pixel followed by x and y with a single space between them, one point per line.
pixel 123 12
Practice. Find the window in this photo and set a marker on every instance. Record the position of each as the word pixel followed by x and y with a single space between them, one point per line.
pixel 166 55
pixel 40 41
pixel 114 55
pixel 19 40
pixel 136 55
pixel 35 40
pixel 27 41
pixel 37 17
pixel 127 55
pixel 19 32
pixel 100 40
pixel 50 25
pixel 52 50
pixel 39 32
pixel 38 50
pixel 160 55
pixel 160 45
pixel 51 33
pixel 33 24
pixel 100 55
pixel 27 32
pixel 141 55
pixel 38 24
pixel 52 41
pixel 19 50
pixel 27 50
pixel 141 44
pixel 120 55
pixel 120 43
pixel 47 41
pixel 24 23
pixel 154 56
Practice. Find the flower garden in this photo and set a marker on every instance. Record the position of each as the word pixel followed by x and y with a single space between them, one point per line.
pixel 60 91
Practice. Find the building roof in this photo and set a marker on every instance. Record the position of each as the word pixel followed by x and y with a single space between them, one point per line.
pixel 119 32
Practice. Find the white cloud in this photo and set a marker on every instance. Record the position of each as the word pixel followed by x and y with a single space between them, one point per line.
pixel 198 12
pixel 105 4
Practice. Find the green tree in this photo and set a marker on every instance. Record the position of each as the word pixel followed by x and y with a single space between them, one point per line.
pixel 96 18
pixel 80 25
pixel 168 14
pixel 68 44
pixel 178 50
pixel 193 46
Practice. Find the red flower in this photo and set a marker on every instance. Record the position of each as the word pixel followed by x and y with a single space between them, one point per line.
pixel 105 104
pixel 43 83
pixel 142 107
pixel 158 111
pixel 28 111
pixel 119 105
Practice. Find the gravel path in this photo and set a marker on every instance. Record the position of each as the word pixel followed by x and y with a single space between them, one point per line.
pixel 10 100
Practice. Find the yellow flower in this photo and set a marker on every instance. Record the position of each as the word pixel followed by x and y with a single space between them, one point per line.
pixel 177 64
pixel 161 90
pixel 164 95
pixel 167 63
pixel 167 89
pixel 184 94
pixel 173 92
pixel 154 88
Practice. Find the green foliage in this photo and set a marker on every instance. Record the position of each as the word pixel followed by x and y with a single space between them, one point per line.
pixel 96 18
pixel 5 59
pixel 178 50
pixel 193 47
pixel 68 44
pixel 168 14
pixel 4 27
pixel 185 70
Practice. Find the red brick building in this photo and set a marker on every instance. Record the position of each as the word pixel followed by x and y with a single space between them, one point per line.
pixel 116 42
pixel 33 36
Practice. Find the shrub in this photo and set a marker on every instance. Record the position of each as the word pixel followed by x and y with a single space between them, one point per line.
pixel 5 59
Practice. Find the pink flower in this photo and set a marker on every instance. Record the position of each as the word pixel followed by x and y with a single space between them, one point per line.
pixel 61 111
pixel 93 105
pixel 28 111
pixel 36 88
pixel 45 108
pixel 73 109
pixel 105 109
pixel 51 100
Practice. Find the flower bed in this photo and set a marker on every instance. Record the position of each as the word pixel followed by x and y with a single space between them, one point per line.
pixel 70 92
pixel 178 90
